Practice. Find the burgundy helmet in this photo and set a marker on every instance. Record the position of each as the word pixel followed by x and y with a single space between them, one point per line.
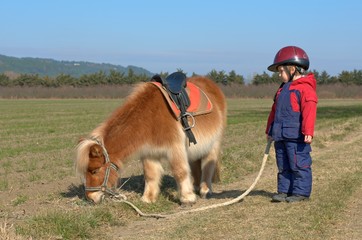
pixel 290 55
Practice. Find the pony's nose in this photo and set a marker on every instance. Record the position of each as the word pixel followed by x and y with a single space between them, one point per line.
pixel 95 197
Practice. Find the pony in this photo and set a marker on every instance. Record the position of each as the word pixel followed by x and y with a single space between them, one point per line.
pixel 144 128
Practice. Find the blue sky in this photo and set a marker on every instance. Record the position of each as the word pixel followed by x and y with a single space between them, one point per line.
pixel 195 36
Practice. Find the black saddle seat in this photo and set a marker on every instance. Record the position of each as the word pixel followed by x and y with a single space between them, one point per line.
pixel 175 84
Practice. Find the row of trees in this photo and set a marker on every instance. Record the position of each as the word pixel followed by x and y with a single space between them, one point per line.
pixel 99 78
pixel 119 78
pixel 345 77
pixel 102 78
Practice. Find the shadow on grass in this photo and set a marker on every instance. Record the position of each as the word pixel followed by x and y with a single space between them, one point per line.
pixel 74 191
pixel 237 193
pixel 135 184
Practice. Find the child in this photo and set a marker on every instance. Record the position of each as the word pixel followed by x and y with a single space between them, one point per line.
pixel 291 124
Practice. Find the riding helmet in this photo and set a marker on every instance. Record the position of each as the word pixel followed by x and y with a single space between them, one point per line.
pixel 290 55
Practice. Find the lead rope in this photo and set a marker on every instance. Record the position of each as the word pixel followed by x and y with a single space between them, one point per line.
pixel 235 200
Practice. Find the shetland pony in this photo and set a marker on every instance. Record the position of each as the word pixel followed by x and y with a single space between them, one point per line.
pixel 144 128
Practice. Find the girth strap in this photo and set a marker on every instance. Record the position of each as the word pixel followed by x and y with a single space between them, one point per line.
pixel 184 120
pixel 175 85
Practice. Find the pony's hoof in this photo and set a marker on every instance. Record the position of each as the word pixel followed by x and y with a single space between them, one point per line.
pixel 147 200
pixel 206 195
pixel 189 201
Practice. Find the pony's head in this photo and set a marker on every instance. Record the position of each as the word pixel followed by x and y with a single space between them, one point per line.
pixel 98 173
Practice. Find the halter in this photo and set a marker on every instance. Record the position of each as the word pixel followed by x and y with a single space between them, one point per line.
pixel 110 166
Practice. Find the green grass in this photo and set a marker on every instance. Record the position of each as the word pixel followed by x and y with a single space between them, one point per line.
pixel 67 225
pixel 4 184
pixel 42 133
pixel 20 200
pixel 37 147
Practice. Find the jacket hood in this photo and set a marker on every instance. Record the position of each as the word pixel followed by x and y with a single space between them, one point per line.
pixel 308 79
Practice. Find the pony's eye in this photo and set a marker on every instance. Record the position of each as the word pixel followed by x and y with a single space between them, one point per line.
pixel 94 171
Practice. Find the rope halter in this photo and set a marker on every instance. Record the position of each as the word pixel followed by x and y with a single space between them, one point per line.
pixel 103 187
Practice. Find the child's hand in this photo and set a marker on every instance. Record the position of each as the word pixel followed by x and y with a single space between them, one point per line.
pixel 308 139
pixel 269 138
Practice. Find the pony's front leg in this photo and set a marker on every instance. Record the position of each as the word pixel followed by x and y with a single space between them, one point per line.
pixel 181 171
pixel 153 172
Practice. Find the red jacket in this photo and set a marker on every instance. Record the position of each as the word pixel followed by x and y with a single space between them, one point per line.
pixel 306 85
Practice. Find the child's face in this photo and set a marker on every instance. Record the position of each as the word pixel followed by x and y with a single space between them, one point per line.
pixel 283 74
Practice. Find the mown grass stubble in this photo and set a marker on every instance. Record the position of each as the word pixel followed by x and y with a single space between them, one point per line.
pixel 37 175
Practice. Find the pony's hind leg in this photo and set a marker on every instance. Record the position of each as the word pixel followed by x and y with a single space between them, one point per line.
pixel 196 174
pixel 208 168
pixel 153 172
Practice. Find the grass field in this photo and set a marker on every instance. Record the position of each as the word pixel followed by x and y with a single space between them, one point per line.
pixel 40 196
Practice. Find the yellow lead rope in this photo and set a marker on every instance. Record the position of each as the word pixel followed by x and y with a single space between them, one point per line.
pixel 235 200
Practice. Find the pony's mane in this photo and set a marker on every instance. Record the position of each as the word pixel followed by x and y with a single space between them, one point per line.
pixel 97 135
pixel 82 158
pixel 126 113
pixel 139 88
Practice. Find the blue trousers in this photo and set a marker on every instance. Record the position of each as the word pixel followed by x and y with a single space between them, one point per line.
pixel 294 167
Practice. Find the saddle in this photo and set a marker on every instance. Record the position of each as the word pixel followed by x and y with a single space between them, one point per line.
pixel 175 85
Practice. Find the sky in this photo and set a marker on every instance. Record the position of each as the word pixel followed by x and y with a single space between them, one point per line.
pixel 196 36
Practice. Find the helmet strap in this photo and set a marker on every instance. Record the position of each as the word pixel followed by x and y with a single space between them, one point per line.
pixel 299 69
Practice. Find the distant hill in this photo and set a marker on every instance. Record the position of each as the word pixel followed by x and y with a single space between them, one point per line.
pixel 50 67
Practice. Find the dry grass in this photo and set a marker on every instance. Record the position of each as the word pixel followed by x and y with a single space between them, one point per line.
pixel 40 195
pixel 7 231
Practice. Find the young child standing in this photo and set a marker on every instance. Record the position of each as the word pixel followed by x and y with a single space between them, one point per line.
pixel 291 124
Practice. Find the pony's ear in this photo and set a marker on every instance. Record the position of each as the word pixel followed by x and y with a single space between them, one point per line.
pixel 95 151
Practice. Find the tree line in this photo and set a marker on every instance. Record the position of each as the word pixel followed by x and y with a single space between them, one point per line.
pixel 119 78
pixel 345 77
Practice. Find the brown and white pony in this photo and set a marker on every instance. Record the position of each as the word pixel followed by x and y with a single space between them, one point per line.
pixel 144 128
